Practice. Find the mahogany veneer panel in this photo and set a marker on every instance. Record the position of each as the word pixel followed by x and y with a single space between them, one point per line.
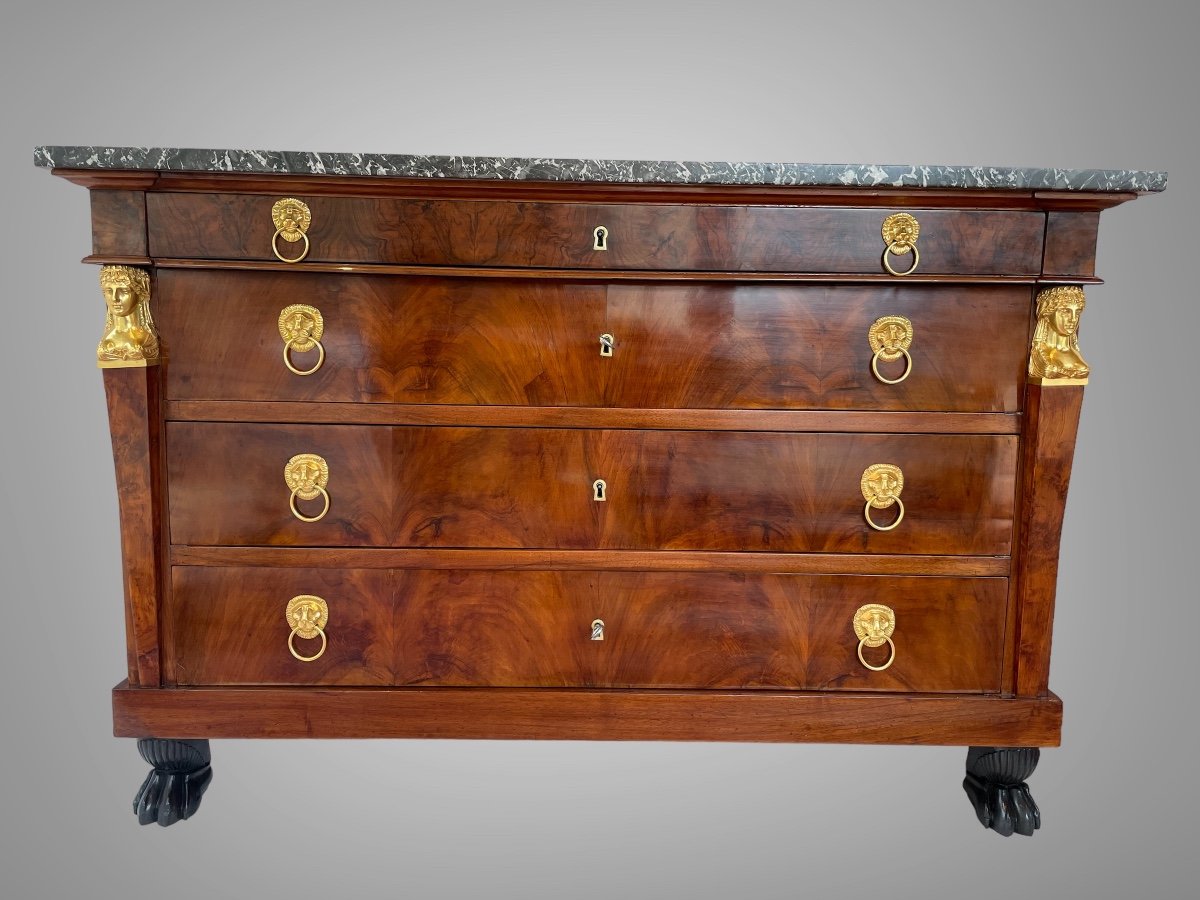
pixel 513 629
pixel 532 488
pixel 535 234
pixel 533 629
pixel 403 340
pixel 523 342
pixel 793 346
pixel 119 223
pixel 228 626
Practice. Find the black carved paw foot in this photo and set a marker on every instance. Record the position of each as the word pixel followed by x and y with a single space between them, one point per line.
pixel 995 784
pixel 173 789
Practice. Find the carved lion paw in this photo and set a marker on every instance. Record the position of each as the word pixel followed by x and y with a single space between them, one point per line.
pixel 167 797
pixel 1005 808
pixel 173 789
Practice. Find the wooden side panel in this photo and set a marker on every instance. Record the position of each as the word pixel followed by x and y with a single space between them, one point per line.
pixel 119 224
pixel 1071 243
pixel 1051 422
pixel 231 628
pixel 583 715
pixel 791 346
pixel 510 233
pixel 134 420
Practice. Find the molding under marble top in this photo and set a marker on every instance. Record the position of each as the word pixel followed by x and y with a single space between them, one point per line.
pixel 612 171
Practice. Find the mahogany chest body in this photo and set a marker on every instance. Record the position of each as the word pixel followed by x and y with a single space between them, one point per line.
pixel 446 458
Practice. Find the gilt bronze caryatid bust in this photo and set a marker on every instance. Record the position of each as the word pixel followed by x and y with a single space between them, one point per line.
pixel 129 335
pixel 1055 355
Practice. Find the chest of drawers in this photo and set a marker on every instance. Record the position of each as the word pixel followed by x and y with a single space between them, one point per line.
pixel 505 449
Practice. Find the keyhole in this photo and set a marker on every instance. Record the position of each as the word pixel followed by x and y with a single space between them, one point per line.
pixel 597 629
pixel 601 238
pixel 598 489
pixel 606 344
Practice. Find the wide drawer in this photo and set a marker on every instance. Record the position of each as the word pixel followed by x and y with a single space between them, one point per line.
pixel 563 235
pixel 417 486
pixel 586 629
pixel 525 342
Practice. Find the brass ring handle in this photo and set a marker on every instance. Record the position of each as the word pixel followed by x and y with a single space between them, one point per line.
pixel 908 365
pixel 305 615
pixel 900 232
pixel 306 475
pixel 881 485
pixel 319 653
pixel 291 218
pixel 901 250
pixel 287 358
pixel 317 518
pixel 891 658
pixel 280 256
pixel 874 625
pixel 878 527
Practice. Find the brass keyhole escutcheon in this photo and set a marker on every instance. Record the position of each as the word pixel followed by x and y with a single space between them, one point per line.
pixel 600 490
pixel 600 238
pixel 307 475
pixel 881 485
pixel 890 337
pixel 900 233
pixel 874 625
pixel 292 218
pixel 302 328
pixel 597 629
pixel 308 617
pixel 606 344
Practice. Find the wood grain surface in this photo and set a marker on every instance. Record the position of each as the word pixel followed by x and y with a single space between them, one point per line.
pixel 587 715
pixel 533 629
pixel 228 626
pixel 533 488
pixel 1051 423
pixel 414 340
pixel 135 424
pixel 641 236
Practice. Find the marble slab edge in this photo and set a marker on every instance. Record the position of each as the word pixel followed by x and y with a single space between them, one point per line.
pixel 611 171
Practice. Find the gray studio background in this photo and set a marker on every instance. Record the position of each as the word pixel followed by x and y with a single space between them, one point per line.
pixel 1101 84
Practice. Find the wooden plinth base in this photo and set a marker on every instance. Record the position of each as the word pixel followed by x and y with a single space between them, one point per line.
pixel 583 714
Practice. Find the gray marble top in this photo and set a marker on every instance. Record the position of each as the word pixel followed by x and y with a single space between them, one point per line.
pixel 617 171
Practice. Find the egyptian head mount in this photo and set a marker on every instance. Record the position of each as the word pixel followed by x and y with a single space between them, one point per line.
pixel 130 338
pixel 1055 358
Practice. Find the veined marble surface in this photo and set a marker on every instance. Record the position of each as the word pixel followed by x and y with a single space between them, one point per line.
pixel 615 171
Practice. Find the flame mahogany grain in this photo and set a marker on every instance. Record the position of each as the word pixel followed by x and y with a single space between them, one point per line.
pixel 532 488
pixel 517 342
pixel 532 629
pixel 539 234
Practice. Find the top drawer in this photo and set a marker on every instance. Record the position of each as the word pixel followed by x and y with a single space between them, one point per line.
pixel 833 240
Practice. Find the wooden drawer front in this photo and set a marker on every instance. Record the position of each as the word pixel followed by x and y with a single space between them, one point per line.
pixel 536 343
pixel 561 235
pixel 795 347
pixel 228 626
pixel 534 629
pixel 533 488
pixel 681 630
pixel 386 339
